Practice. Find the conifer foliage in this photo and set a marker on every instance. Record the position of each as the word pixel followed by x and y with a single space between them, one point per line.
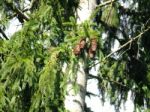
pixel 31 61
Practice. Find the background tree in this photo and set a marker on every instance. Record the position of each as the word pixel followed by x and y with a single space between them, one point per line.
pixel 31 65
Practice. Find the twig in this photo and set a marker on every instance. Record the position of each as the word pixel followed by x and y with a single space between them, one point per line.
pixel 16 10
pixel 22 14
pixel 118 83
pixel 115 82
pixel 124 45
pixel 3 33
pixel 90 93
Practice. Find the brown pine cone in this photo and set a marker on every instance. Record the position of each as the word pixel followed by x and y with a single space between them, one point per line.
pixel 82 43
pixel 77 49
pixel 93 46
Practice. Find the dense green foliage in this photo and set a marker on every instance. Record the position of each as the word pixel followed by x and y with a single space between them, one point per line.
pixel 31 62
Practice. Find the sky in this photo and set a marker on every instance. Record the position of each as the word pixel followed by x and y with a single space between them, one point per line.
pixel 94 102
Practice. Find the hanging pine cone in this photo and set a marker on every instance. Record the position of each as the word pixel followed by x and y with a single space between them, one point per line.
pixel 82 43
pixel 77 49
pixel 93 46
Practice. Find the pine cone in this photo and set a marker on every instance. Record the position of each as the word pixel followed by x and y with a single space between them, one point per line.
pixel 77 49
pixel 82 43
pixel 93 44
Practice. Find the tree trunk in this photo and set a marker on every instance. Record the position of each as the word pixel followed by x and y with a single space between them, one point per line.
pixel 75 102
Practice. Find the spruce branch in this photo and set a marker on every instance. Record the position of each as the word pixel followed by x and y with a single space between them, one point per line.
pixel 130 41
pixel 98 78
pixel 124 45
pixel 99 6
pixel 115 82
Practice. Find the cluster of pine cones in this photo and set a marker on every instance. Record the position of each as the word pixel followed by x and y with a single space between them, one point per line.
pixel 91 50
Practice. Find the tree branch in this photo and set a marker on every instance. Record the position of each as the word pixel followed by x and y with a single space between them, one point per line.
pixel 3 33
pixel 91 94
pixel 99 6
pixel 20 14
pixel 118 83
pixel 124 45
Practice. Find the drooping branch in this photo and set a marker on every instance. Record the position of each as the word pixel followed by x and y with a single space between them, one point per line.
pixel 127 43
pixel 118 83
pixel 124 45
pixel 99 6
pixel 115 82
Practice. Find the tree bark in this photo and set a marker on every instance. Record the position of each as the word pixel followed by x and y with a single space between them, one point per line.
pixel 75 102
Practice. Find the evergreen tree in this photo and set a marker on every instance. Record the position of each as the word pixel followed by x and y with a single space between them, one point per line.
pixel 32 61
